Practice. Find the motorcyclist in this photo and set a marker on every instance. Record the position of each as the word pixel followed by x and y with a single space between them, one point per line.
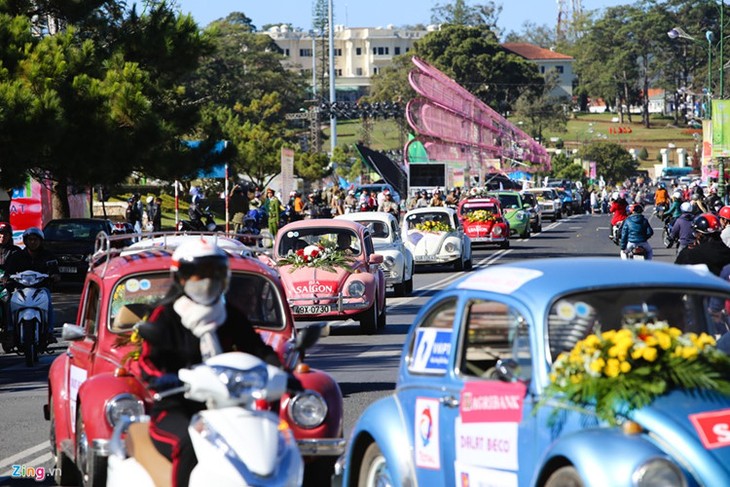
pixel 351 203
pixel 708 248
pixel 713 201
pixel 724 215
pixel 192 322
pixel 674 210
pixel 618 215
pixel 35 258
pixel 7 248
pixel 682 230
pixel 635 232
pixel 661 196
pixel 390 206
pixel 698 204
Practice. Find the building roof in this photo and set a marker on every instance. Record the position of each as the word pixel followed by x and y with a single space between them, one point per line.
pixel 533 52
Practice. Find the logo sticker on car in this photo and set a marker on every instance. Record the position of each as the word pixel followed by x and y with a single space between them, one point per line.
pixel 713 428
pixel 432 350
pixel 428 453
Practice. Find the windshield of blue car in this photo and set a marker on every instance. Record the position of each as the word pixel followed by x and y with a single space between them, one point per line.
pixel 342 239
pixel 572 318
pixel 254 295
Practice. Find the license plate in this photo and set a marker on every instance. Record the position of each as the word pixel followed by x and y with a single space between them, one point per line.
pixel 313 309
pixel 425 258
pixel 67 270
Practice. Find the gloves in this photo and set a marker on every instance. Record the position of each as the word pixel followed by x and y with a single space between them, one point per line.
pixel 165 382
pixel 293 384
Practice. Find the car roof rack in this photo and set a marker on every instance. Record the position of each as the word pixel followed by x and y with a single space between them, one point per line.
pixel 106 246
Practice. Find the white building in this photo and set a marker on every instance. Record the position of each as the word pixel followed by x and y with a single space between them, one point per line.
pixel 360 53
pixel 547 60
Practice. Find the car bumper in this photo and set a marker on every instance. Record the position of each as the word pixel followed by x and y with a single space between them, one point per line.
pixel 436 259
pixel 321 447
pixel 488 240
pixel 327 306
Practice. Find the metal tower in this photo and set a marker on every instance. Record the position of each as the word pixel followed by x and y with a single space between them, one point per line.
pixel 568 12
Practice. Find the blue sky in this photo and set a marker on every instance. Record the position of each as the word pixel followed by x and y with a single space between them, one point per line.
pixel 375 13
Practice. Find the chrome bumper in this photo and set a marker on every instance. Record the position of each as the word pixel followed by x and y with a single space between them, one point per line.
pixel 340 302
pixel 321 447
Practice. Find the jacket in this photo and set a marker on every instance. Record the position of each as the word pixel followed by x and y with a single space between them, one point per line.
pixel 682 229
pixel 674 209
pixel 5 252
pixel 168 346
pixel 711 252
pixel 43 261
pixel 636 229
pixel 618 210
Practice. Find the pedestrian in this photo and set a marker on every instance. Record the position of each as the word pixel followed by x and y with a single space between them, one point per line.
pixel 238 206
pixel 157 215
pixel 133 215
pixel 273 209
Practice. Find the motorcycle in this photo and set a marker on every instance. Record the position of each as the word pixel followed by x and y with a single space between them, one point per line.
pixel 615 235
pixel 237 440
pixel 667 239
pixel 198 225
pixel 635 253
pixel 29 306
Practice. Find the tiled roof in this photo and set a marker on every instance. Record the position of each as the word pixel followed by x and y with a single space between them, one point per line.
pixel 533 52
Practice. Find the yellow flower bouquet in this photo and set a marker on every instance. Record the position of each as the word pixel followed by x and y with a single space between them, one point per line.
pixel 480 216
pixel 433 226
pixel 622 370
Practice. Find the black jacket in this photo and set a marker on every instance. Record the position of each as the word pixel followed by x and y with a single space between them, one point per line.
pixel 712 252
pixel 167 346
pixel 44 261
pixel 5 252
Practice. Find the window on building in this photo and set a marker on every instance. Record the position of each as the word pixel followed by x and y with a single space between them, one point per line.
pixel 358 51
pixel 559 69
pixel 358 71
pixel 542 69
pixel 305 52
pixel 375 50
pixel 338 72
pixel 338 52
pixel 375 70
pixel 381 51
pixel 397 50
pixel 408 49
pixel 286 52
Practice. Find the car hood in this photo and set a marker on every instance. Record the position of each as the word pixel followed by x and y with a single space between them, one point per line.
pixel 309 281
pixel 692 423
pixel 426 243
pixel 478 229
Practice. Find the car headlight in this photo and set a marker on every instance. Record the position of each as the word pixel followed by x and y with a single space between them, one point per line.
pixel 241 383
pixel 497 230
pixel 658 472
pixel 521 215
pixel 123 405
pixel 308 409
pixel 389 262
pixel 356 289
pixel 450 247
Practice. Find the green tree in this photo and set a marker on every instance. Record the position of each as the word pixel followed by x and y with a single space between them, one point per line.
pixel 347 164
pixel 320 27
pixel 613 162
pixel 564 167
pixel 540 109
pixel 459 13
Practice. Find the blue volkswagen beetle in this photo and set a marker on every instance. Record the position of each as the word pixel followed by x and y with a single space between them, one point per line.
pixel 473 402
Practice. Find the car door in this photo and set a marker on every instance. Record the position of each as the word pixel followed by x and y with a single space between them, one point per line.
pixel 81 351
pixel 428 395
pixel 494 440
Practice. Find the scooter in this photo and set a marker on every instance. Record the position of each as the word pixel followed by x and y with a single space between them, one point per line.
pixel 237 440
pixel 29 305
pixel 198 225
pixel 615 235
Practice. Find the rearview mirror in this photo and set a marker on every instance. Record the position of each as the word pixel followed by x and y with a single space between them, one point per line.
pixel 375 259
pixel 72 333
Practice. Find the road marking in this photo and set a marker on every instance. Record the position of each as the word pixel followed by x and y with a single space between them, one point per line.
pixel 33 449
pixel 35 463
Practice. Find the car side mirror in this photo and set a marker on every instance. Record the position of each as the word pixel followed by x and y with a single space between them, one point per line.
pixel 72 333
pixel 375 259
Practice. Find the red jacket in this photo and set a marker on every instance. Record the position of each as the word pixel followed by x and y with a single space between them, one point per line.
pixel 618 210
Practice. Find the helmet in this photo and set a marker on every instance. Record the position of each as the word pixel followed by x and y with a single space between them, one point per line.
pixel 686 207
pixel 724 212
pixel 706 223
pixel 615 196
pixel 33 231
pixel 6 228
pixel 695 196
pixel 205 260
pixel 677 195
pixel 662 185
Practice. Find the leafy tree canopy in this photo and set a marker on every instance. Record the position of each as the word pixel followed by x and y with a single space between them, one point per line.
pixel 613 162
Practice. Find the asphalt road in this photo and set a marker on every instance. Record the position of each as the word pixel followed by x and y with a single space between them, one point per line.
pixel 364 366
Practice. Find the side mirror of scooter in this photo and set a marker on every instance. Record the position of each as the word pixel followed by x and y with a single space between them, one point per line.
pixel 308 336
pixel 72 333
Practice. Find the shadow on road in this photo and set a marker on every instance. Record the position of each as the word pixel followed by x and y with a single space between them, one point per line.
pixel 348 388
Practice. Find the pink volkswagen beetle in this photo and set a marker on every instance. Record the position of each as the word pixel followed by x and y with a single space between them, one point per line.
pixel 330 270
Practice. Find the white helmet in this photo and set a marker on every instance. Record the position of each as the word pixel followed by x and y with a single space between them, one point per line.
pixel 206 261
pixel 677 195
pixel 615 195
pixel 685 207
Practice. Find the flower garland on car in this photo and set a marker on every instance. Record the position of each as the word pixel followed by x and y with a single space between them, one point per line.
pixel 480 216
pixel 324 255
pixel 433 226
pixel 623 370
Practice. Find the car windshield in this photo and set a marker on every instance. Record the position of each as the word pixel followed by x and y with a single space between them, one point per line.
pixel 573 318
pixel 70 231
pixel 343 239
pixel 467 208
pixel 378 229
pixel 509 200
pixel 256 296
pixel 437 217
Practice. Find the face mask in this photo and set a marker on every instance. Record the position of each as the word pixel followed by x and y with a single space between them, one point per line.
pixel 204 291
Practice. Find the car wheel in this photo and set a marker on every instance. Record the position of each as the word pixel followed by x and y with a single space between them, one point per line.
pixel 459 264
pixel 409 286
pixel 91 467
pixel 64 472
pixel 526 233
pixel 468 265
pixel 564 477
pixel 381 319
pixel 369 319
pixel 374 468
pixel 400 289
pixel 319 471
pixel 504 245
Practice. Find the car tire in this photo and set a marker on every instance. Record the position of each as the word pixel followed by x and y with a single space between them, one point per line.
pixel 382 318
pixel 92 468
pixel 319 471
pixel 526 233
pixel 468 265
pixel 564 477
pixel 64 471
pixel 459 264
pixel 400 289
pixel 369 319
pixel 504 245
pixel 373 468
pixel 409 286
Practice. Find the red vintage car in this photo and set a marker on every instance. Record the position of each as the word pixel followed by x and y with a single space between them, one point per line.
pixel 330 271
pixel 484 222
pixel 95 382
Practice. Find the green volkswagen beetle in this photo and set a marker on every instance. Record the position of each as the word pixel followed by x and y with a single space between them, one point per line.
pixel 515 210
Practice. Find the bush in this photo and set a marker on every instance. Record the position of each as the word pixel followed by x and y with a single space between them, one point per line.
pixel 643 154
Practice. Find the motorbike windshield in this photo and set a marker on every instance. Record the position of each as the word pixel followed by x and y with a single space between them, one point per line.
pixel 572 318
pixel 257 297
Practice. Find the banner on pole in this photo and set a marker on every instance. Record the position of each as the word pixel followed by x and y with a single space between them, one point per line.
pixel 287 170
pixel 720 128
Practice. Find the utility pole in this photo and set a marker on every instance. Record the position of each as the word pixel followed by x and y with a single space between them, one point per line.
pixel 312 116
pixel 333 96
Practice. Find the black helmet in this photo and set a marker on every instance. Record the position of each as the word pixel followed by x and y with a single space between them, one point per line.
pixel 33 231
pixel 6 228
pixel 706 223
pixel 637 208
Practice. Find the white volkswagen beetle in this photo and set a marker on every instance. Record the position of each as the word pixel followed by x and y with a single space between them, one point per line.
pixel 398 265
pixel 434 236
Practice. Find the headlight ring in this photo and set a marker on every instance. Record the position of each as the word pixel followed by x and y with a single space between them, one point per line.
pixel 657 472
pixel 450 247
pixel 308 409
pixel 122 405
pixel 356 289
